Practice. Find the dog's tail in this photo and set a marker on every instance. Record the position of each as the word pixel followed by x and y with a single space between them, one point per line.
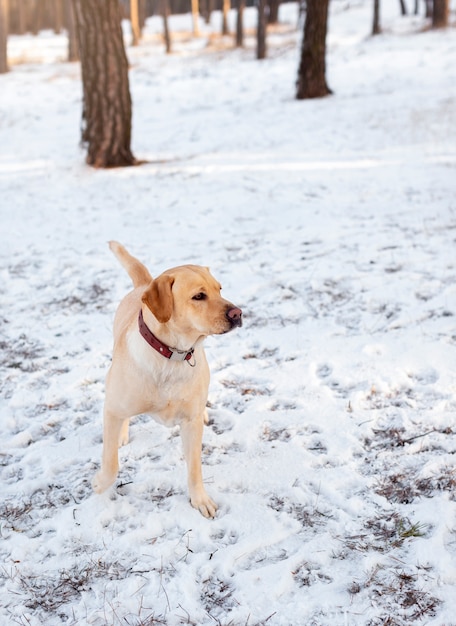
pixel 138 272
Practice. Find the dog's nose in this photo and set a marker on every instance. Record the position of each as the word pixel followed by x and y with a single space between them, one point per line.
pixel 235 316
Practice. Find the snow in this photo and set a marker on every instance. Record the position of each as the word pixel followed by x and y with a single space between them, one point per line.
pixel 331 443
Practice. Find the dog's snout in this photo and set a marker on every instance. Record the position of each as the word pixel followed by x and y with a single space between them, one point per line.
pixel 234 315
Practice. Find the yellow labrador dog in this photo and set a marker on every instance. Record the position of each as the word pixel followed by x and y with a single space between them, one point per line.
pixel 159 365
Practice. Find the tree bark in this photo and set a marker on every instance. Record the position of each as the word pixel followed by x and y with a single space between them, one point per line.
pixel 311 81
pixel 3 36
pixel 240 23
pixel 107 106
pixel 261 30
pixel 440 14
pixel 376 29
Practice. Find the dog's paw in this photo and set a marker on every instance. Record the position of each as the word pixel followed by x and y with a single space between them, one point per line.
pixel 204 504
pixel 101 482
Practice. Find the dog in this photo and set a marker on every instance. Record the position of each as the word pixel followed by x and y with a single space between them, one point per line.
pixel 159 366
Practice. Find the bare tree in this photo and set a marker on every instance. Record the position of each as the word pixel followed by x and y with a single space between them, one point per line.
pixel 3 36
pixel 35 16
pixel 195 18
pixel 240 23
pixel 311 81
pixel 376 29
pixel 206 7
pixel 273 15
pixel 73 48
pixel 440 14
pixel 134 21
pixel 165 14
pixel 21 17
pixel 57 15
pixel 107 106
pixel 226 5
pixel 403 7
pixel 261 30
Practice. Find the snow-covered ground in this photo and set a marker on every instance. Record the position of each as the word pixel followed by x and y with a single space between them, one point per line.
pixel 332 440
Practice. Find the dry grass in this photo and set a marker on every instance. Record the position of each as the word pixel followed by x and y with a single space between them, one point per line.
pixel 404 487
pixel 398 592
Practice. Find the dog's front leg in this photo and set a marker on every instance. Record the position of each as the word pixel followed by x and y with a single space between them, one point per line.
pixel 114 428
pixel 192 437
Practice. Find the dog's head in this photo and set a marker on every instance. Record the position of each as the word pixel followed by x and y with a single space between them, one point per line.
pixel 188 298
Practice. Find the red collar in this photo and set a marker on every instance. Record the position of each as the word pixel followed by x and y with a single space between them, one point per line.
pixel 163 349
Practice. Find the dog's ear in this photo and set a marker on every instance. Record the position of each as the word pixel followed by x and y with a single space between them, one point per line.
pixel 159 297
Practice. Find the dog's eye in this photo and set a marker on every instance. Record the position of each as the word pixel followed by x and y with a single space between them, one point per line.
pixel 200 296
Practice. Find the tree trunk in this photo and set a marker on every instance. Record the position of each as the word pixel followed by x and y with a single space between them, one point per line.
pixel 107 103
pixel 165 15
pixel 195 17
pixel 73 48
pixel 376 29
pixel 440 14
pixel 311 81
pixel 240 23
pixel 301 12
pixel 3 36
pixel 403 7
pixel 225 10
pixel 13 18
pixel 273 16
pixel 142 14
pixel 205 7
pixel 35 12
pixel 57 14
pixel 261 30
pixel 134 21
